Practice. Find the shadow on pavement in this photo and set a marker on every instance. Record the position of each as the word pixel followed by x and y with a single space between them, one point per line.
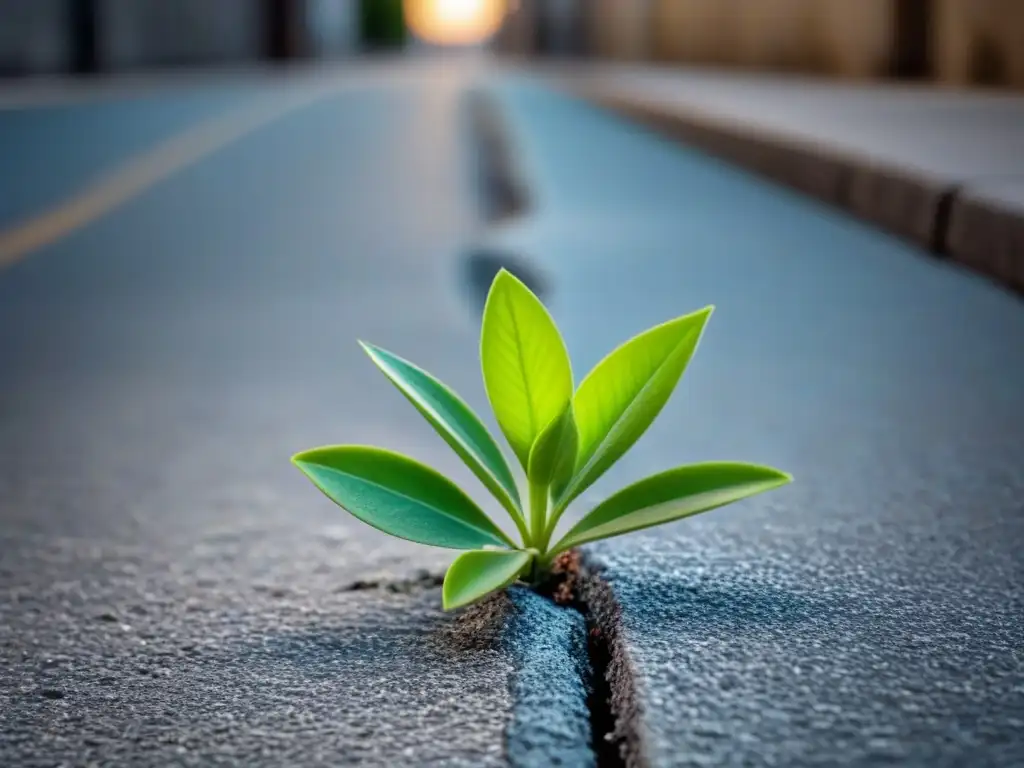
pixel 430 638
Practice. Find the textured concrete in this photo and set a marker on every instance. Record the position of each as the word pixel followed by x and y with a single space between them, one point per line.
pixel 892 155
pixel 551 722
pixel 872 611
pixel 172 591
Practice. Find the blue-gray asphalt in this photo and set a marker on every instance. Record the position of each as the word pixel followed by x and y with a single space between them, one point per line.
pixel 48 153
pixel 872 612
pixel 172 590
pixel 175 593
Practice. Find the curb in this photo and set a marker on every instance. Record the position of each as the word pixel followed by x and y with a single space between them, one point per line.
pixel 988 237
pixel 940 217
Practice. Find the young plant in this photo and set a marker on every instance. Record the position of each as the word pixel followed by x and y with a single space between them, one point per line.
pixel 564 440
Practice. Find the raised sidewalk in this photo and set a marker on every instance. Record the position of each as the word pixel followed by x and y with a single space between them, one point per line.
pixel 942 167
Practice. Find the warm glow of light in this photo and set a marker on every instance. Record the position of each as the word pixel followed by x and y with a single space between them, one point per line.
pixel 454 22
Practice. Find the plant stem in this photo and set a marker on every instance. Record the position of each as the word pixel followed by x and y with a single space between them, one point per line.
pixel 545 539
pixel 520 521
pixel 538 514
pixel 529 572
pixel 535 572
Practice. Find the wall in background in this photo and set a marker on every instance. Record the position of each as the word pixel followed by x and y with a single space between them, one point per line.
pixel 39 36
pixel 332 27
pixel 621 29
pixel 33 36
pixel 979 42
pixel 143 33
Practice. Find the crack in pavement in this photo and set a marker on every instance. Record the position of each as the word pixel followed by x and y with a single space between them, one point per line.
pixel 615 711
pixel 503 193
pixel 421 579
pixel 574 685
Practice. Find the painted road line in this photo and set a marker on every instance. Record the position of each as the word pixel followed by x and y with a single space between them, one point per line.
pixel 147 169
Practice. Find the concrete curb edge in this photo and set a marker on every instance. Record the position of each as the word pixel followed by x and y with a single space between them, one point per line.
pixel 941 217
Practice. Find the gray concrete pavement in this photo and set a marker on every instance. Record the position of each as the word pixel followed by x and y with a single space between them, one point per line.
pixel 915 160
pixel 173 591
pixel 872 611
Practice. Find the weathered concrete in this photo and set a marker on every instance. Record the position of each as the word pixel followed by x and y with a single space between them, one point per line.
pixel 895 156
pixel 552 678
pixel 872 611
pixel 173 590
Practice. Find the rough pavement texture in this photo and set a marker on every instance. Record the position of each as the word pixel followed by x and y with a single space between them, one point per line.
pixel 195 669
pixel 897 156
pixel 172 590
pixel 551 722
pixel 873 611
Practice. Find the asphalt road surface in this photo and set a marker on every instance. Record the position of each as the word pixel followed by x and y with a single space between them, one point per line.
pixel 873 611
pixel 175 593
pixel 173 590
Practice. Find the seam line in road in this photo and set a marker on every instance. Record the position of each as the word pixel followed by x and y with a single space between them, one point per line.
pixel 145 170
pixel 612 701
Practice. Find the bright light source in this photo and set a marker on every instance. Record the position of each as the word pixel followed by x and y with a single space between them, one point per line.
pixel 454 22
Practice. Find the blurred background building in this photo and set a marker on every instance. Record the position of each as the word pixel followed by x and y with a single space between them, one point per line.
pixel 960 42
pixel 50 36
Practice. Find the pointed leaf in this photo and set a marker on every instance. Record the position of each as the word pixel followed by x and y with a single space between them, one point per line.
pixel 399 496
pixel 454 421
pixel 672 495
pixel 554 451
pixel 564 470
pixel 526 368
pixel 618 400
pixel 476 574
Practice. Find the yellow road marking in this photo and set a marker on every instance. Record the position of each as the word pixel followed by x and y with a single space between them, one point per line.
pixel 144 171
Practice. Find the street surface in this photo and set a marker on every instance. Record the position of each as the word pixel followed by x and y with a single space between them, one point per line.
pixel 873 611
pixel 174 592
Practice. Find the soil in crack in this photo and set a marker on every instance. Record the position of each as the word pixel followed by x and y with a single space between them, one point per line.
pixel 421 579
pixel 612 700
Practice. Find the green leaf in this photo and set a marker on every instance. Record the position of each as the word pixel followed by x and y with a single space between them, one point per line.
pixel 526 368
pixel 399 496
pixel 618 400
pixel 672 495
pixel 455 422
pixel 566 463
pixel 553 454
pixel 476 574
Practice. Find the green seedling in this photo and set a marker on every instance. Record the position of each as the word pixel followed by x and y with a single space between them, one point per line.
pixel 564 440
